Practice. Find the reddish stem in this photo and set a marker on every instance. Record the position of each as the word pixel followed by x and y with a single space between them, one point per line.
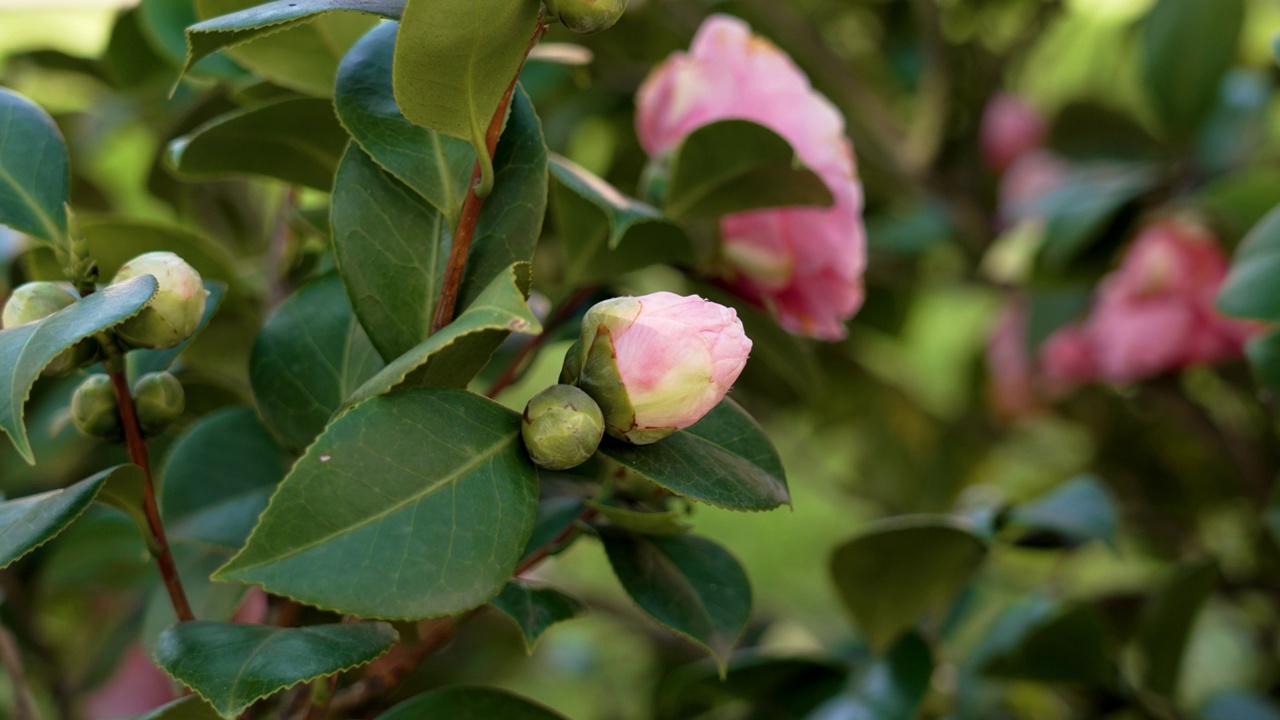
pixel 473 203
pixel 138 455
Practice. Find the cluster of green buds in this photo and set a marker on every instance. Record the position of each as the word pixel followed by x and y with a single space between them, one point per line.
pixel 586 16
pixel 158 401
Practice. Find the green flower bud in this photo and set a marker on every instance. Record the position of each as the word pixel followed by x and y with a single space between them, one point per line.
pixel 158 399
pixel 94 409
pixel 562 427
pixel 174 313
pixel 587 16
pixel 36 301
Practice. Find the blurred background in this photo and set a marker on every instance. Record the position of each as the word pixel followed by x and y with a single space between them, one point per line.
pixel 1135 572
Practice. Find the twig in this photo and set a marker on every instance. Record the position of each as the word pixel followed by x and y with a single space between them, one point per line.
pixel 473 203
pixel 24 703
pixel 515 369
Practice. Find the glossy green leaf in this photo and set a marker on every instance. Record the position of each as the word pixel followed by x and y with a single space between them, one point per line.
pixel 1078 211
pixel 114 241
pixel 725 460
pixel 29 522
pixel 896 572
pixel 191 707
pixel 735 165
pixel 164 23
pixel 1182 85
pixel 605 233
pixel 1167 623
pixel 780 688
pixel 218 477
pixel 436 166
pixel 665 522
pixel 418 504
pixel 454 62
pixel 1238 705
pixel 1073 513
pixel 453 356
pixel 534 609
pixel 469 703
pixel 1069 646
pixel 297 140
pixel 1263 352
pixel 392 245
pixel 1252 288
pixel 231 666
pixel 34 170
pixel 129 60
pixel 26 350
pixel 232 23
pixel 687 583
pixel 310 355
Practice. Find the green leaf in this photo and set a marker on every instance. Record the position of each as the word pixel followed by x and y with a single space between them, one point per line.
pixel 308 358
pixel 605 233
pixel 453 356
pixel 232 666
pixel 319 45
pixel 437 167
pixel 725 459
pixel 1238 705
pixel 1073 513
pixel 469 703
pixel 664 522
pixel 26 350
pixel 115 241
pixel 34 170
pixel 1167 622
pixel 535 609
pixel 218 477
pixel 1180 84
pixel 779 688
pixel 893 687
pixel 297 140
pixel 687 583
pixel 29 522
pixel 1078 211
pixel 1069 646
pixel 196 561
pixel 735 165
pixel 191 707
pixel 164 23
pixel 1252 288
pixel 892 575
pixel 1263 352
pixel 418 504
pixel 455 60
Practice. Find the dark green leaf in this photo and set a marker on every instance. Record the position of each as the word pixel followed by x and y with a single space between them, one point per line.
pixel 115 241
pixel 34 171
pixel 665 522
pixel 893 687
pixel 778 688
pixel 26 350
pixel 230 30
pixel 735 165
pixel 437 166
pixel 535 609
pixel 455 60
pixel 1069 646
pixel 232 666
pixel 453 356
pixel 725 460
pixel 296 140
pixel 1263 352
pixel 1077 212
pixel 1180 84
pixel 29 522
pixel 129 60
pixel 164 22
pixel 555 515
pixel 218 476
pixel 310 355
pixel 1252 289
pixel 417 504
pixel 1238 705
pixel 1167 623
pixel 605 233
pixel 196 561
pixel 187 708
pixel 469 703
pixel 892 575
pixel 687 583
pixel 1075 512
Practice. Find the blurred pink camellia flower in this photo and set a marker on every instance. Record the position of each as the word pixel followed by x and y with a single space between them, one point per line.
pixel 136 687
pixel 1152 315
pixel 1010 129
pixel 657 363
pixel 804 265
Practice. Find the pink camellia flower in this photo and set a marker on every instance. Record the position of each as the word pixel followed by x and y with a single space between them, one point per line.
pixel 657 363
pixel 804 265
pixel 1010 129
pixel 1156 312
pixel 136 687
pixel 1022 385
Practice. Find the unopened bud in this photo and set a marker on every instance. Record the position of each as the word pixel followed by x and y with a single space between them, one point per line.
pixel 94 409
pixel 174 313
pixel 587 16
pixel 159 400
pixel 562 427
pixel 36 301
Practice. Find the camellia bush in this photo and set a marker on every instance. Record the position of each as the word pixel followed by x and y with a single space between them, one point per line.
pixel 471 359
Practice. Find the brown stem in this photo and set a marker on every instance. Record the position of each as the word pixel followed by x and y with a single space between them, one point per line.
pixel 138 456
pixel 515 369
pixel 473 203
pixel 24 702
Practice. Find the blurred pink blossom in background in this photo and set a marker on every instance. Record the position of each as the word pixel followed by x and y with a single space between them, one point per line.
pixel 804 265
pixel 136 687
pixel 1010 129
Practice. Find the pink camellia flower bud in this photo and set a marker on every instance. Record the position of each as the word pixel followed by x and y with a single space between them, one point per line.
pixel 656 363
pixel 1010 129
pixel 804 265
pixel 1156 313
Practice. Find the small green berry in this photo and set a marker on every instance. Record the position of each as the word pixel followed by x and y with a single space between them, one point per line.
pixel 94 409
pixel 562 427
pixel 159 400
